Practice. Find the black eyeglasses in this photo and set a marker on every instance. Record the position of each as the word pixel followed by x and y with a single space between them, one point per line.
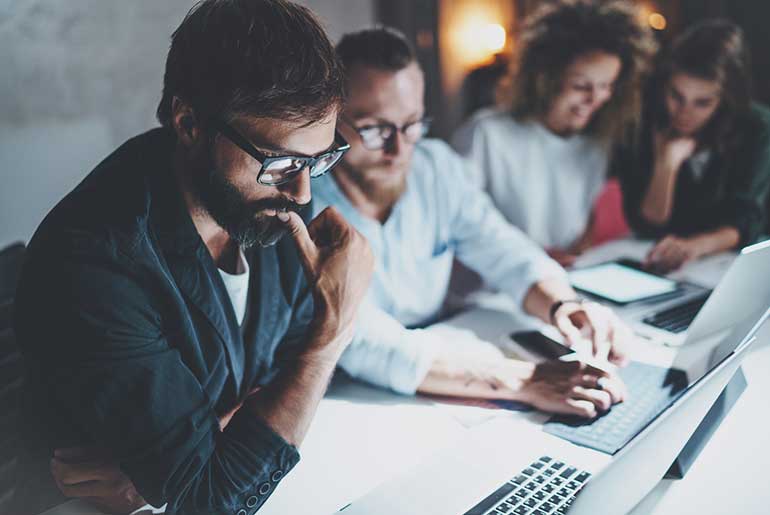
pixel 375 137
pixel 278 170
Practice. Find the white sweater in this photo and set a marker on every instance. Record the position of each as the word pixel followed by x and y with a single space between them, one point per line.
pixel 542 183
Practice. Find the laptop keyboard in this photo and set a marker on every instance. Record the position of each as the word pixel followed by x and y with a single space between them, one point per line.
pixel 651 390
pixel 677 318
pixel 546 487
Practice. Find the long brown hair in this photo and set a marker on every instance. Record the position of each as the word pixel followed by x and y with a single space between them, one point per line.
pixel 713 50
pixel 558 33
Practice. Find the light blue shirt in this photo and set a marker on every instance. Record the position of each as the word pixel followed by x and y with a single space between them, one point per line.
pixel 441 215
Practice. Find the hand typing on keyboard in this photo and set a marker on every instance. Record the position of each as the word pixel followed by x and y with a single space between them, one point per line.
pixel 573 388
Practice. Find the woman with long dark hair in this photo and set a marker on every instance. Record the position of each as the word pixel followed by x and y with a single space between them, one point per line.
pixel 698 175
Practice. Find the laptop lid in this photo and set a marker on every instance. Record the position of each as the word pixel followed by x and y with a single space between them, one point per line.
pixel 741 296
pixel 639 466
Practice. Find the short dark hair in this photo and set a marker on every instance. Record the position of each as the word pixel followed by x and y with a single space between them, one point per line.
pixel 713 50
pixel 380 47
pixel 264 58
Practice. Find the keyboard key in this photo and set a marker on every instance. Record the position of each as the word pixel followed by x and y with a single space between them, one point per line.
pixel 520 479
pixel 557 481
pixel 528 472
pixel 531 486
pixel 546 459
pixel 558 465
pixel 521 493
pixel 537 465
pixel 582 477
pixel 573 485
pixel 540 479
pixel 549 472
pixel 538 512
pixel 568 472
pixel 564 492
pixel 504 508
pixel 548 488
pixel 546 507
pixel 555 499
pixel 540 495
pixel 521 510
pixel 530 502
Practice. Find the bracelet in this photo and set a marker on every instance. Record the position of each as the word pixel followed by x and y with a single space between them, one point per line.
pixel 558 304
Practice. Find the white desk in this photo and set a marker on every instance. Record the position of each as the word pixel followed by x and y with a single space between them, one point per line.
pixel 361 436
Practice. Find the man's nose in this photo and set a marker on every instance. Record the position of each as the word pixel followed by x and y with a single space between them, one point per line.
pixel 298 189
pixel 395 143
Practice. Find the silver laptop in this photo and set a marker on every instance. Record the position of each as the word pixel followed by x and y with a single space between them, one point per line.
pixel 741 295
pixel 511 466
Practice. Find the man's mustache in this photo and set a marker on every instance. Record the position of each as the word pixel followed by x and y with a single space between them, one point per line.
pixel 278 204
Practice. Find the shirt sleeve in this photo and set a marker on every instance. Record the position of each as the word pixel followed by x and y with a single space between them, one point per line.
pixel 112 374
pixel 483 240
pixel 748 182
pixel 385 353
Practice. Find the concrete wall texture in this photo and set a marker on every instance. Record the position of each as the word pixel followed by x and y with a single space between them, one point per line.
pixel 79 77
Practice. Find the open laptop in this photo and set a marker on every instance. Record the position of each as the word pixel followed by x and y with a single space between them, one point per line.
pixel 511 466
pixel 694 312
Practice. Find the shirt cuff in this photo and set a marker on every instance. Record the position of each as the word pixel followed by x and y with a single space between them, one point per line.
pixel 536 271
pixel 410 368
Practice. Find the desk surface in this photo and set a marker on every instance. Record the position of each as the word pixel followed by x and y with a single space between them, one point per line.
pixel 362 436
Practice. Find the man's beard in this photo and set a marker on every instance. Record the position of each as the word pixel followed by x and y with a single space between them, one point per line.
pixel 385 193
pixel 244 221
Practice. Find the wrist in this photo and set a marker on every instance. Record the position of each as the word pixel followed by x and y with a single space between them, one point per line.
pixel 524 371
pixel 558 304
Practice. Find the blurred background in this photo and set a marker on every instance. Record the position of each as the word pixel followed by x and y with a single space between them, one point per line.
pixel 79 77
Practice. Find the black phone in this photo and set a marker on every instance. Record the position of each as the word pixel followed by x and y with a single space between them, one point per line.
pixel 538 343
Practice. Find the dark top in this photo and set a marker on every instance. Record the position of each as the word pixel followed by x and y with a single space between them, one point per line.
pixel 731 192
pixel 131 343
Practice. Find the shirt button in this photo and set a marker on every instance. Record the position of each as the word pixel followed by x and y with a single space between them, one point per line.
pixel 242 512
pixel 277 475
pixel 264 488
pixel 252 501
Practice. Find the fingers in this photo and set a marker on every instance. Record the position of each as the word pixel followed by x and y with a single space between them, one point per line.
pixel 72 473
pixel 601 400
pixel 567 328
pixel 621 337
pixel 668 254
pixel 580 407
pixel 75 454
pixel 308 252
pixel 597 320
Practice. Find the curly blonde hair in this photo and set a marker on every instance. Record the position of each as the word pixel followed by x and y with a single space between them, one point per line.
pixel 559 32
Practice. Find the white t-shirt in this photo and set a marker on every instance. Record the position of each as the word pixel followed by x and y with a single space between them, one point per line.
pixel 543 183
pixel 237 286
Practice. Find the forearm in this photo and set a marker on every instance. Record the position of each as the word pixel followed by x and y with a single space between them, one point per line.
pixel 460 377
pixel 543 294
pixel 657 203
pixel 584 242
pixel 719 240
pixel 289 403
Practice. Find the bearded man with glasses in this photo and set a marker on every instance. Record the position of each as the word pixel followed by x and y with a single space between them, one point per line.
pixel 176 346
pixel 412 198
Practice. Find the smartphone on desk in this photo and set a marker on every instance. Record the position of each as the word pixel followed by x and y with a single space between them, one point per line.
pixel 537 343
pixel 541 346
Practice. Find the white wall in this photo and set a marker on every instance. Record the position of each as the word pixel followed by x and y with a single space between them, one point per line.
pixel 79 77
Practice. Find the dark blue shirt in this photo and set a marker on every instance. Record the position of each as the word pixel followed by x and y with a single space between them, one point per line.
pixel 131 343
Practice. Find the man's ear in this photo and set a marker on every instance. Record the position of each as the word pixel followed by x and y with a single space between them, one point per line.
pixel 184 122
